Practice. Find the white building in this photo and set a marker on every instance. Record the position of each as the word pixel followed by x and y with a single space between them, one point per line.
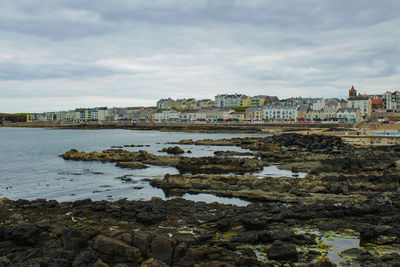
pixel 218 114
pixel 169 115
pixel 281 111
pixel 226 100
pixel 348 115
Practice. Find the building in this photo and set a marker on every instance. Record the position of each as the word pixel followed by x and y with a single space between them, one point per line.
pixel 218 114
pixel 203 103
pixel 169 115
pixel 375 104
pixel 184 104
pixel 281 111
pixel 391 101
pixel 348 115
pixel 245 101
pixel 358 101
pixel 254 114
pixel 237 116
pixel 165 103
pixel 233 100
pixel 315 115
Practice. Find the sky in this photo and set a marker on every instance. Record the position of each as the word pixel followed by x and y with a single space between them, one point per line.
pixel 64 54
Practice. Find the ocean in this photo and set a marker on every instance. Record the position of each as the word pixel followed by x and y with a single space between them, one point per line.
pixel 30 166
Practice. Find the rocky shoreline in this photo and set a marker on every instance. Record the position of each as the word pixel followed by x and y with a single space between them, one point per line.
pixel 348 193
pixel 274 127
pixel 186 233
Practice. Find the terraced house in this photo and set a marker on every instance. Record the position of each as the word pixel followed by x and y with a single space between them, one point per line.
pixel 281 111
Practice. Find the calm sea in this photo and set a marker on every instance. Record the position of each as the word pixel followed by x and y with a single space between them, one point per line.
pixel 30 166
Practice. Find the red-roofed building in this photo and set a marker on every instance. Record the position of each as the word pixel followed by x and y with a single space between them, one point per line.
pixel 374 104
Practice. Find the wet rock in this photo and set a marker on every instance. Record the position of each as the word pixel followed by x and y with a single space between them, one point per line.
pixel 282 235
pixel 282 252
pixel 246 238
pixel 351 253
pixel 218 165
pixel 85 258
pixel 367 259
pixel 100 263
pixel 224 224
pixel 153 263
pixel 392 259
pixel 116 248
pixel 325 262
pixel 131 165
pixel 253 222
pixel 162 248
pixel 24 235
pixel 173 150
pixel 72 239
pixel 142 241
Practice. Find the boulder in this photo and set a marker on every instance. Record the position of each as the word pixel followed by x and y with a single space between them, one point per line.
pixel 173 150
pixel 142 241
pixel 282 252
pixel 73 239
pixel 116 248
pixel 24 235
pixel 131 165
pixel 162 248
pixel 153 263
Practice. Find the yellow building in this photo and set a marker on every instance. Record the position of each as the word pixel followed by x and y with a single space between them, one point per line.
pixel 29 118
pixel 245 101
pixel 254 114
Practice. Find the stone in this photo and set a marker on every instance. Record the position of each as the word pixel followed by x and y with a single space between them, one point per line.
pixel 153 263
pixel 25 235
pixel 162 248
pixel 173 150
pixel 131 165
pixel 113 247
pixel 100 263
pixel 72 239
pixel 282 252
pixel 142 241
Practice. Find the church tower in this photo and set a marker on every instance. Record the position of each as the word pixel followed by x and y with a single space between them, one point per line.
pixel 352 93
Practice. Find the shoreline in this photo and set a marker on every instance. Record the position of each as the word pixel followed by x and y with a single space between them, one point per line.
pixel 348 194
pixel 196 127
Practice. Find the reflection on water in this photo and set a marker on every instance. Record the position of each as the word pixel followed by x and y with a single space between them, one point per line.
pixel 274 171
pixel 338 245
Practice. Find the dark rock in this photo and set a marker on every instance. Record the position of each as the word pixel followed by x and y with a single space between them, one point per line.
pixel 224 224
pixel 85 258
pixel 282 235
pixel 253 222
pixel 282 252
pixel 162 248
pixel 153 263
pixel 246 238
pixel 72 239
pixel 116 248
pixel 25 235
pixel 173 150
pixel 142 241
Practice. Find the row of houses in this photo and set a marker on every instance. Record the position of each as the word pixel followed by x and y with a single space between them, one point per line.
pixel 239 107
pixel 223 100
pixel 98 114
pixel 277 112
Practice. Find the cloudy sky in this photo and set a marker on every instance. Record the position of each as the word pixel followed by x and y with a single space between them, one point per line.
pixel 62 54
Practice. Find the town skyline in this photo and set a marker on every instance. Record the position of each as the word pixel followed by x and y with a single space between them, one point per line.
pixel 153 101
pixel 65 54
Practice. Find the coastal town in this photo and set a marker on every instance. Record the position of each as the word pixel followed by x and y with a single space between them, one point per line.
pixel 238 108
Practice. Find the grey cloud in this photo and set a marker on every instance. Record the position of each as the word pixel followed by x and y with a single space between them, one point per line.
pixel 10 71
pixel 152 49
